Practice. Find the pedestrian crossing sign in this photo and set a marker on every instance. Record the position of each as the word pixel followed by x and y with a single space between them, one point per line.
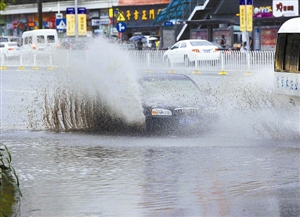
pixel 61 24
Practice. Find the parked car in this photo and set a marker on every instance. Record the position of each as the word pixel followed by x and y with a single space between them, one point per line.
pixel 11 39
pixel 9 49
pixel 191 50
pixel 174 103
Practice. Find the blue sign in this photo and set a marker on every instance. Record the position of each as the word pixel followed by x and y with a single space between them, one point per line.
pixel 168 23
pixel 61 24
pixel 81 10
pixel 121 27
pixel 70 11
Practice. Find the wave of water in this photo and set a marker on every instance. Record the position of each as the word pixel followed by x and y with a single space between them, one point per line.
pixel 99 92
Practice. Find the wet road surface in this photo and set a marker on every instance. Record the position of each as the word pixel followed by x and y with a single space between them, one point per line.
pixel 247 164
pixel 76 174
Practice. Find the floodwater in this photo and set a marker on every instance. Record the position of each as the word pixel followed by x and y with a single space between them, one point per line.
pixel 245 164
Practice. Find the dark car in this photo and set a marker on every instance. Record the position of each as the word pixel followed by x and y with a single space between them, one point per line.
pixel 174 103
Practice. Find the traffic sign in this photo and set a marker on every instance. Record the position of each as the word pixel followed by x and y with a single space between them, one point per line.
pixel 61 24
pixel 120 17
pixel 121 27
pixel 58 15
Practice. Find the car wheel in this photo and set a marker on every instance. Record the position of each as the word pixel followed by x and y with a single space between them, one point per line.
pixel 186 61
pixel 149 126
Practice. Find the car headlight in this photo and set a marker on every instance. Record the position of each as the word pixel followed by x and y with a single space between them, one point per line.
pixel 160 111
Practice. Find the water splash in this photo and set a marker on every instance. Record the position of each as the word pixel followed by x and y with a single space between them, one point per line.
pixel 250 108
pixel 96 93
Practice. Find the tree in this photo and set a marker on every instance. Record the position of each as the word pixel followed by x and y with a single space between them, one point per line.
pixel 2 5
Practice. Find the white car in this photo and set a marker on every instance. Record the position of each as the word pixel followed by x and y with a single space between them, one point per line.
pixel 9 49
pixel 191 50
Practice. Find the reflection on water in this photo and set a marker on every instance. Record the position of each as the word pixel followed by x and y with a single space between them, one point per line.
pixel 90 175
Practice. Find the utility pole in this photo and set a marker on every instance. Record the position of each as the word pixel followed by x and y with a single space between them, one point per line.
pixel 40 12
pixel 76 20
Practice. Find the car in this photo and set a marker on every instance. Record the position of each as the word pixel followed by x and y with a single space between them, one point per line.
pixel 9 49
pixel 39 40
pixel 191 50
pixel 174 103
pixel 11 39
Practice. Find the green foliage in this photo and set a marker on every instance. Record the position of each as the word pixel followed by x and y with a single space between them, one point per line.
pixel 2 5
pixel 9 182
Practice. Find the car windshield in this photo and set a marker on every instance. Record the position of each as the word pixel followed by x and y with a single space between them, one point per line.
pixel 169 89
pixel 200 43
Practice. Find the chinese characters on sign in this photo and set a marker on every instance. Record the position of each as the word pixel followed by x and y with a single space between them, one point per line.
pixel 70 16
pixel 71 22
pixel 285 8
pixel 145 15
pixel 81 21
pixel 249 9
pixel 138 15
pixel 242 15
pixel 246 14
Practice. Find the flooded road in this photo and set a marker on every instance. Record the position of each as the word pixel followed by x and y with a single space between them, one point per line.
pixel 245 164
pixel 73 174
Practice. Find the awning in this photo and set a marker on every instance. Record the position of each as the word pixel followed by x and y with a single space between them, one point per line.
pixel 177 10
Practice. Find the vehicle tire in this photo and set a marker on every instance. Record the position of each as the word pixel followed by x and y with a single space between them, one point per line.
pixel 186 61
pixel 149 126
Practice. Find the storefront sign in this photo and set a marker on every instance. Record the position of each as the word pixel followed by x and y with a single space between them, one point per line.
pixel 10 26
pixel 137 15
pixel 95 22
pixel 285 8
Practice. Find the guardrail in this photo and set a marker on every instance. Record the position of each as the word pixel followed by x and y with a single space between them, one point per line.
pixel 229 61
pixel 146 59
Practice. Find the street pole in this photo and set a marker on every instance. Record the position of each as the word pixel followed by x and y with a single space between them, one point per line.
pixel 40 13
pixel 76 20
